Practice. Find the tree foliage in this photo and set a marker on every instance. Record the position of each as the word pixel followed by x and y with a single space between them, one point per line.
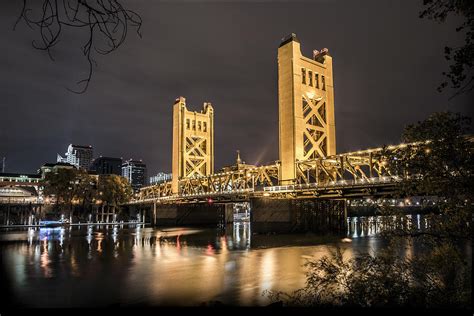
pixel 73 188
pixel 114 190
pixel 460 74
pixel 106 23
pixel 437 163
pixel 61 185
pixel 438 279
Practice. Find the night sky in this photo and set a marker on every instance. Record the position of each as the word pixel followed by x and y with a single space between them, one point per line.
pixel 387 64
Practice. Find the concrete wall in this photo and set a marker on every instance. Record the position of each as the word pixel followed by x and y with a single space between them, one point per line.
pixel 201 214
pixel 288 215
pixel 166 215
pixel 271 215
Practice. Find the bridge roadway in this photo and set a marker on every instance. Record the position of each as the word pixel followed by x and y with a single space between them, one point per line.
pixel 380 186
pixel 350 175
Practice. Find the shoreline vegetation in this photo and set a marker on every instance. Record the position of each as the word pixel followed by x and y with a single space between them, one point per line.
pixel 440 164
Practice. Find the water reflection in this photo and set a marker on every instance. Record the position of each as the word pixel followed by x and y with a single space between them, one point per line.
pixel 358 227
pixel 102 266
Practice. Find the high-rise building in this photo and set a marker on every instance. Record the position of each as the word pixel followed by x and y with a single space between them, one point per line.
pixel 160 178
pixel 107 165
pixel 78 155
pixel 135 172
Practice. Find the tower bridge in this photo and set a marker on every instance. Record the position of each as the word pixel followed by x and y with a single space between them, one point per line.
pixel 308 168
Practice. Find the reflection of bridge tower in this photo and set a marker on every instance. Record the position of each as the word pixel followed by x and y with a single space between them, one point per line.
pixel 306 106
pixel 193 142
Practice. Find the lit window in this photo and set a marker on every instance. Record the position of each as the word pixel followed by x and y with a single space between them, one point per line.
pixel 316 81
pixel 323 83
pixel 310 77
pixel 303 75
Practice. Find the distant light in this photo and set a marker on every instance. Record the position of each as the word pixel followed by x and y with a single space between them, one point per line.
pixel 266 194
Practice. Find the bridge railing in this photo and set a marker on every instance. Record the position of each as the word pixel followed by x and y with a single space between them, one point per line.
pixel 332 184
pixel 361 166
pixel 230 182
pixel 365 167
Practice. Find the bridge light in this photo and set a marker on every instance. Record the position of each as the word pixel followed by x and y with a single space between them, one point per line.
pixel 266 194
pixel 210 201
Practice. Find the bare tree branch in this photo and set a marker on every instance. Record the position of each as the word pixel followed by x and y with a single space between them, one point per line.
pixel 105 21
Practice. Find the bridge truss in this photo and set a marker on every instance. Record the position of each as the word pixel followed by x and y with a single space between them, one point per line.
pixel 353 174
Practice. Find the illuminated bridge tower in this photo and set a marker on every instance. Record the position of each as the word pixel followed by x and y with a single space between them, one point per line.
pixel 306 106
pixel 193 142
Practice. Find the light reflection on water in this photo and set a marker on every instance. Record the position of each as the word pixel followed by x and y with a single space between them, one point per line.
pixel 107 265
pixel 358 227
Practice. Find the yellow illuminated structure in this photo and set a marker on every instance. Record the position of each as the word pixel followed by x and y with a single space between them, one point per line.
pixel 306 107
pixel 193 142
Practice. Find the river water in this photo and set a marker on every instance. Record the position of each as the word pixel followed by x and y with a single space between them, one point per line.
pixel 93 266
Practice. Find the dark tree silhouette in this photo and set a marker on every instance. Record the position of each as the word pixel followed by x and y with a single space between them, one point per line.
pixel 461 73
pixel 106 22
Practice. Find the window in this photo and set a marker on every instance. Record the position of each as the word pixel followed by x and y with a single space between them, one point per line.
pixel 316 81
pixel 303 75
pixel 194 125
pixel 199 125
pixel 204 126
pixel 310 77
pixel 323 82
pixel 187 124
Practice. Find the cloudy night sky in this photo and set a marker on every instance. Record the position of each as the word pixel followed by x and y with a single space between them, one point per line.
pixel 387 64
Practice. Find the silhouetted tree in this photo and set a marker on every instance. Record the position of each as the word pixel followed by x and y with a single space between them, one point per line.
pixel 460 74
pixel 440 164
pixel 85 190
pixel 106 23
pixel 113 190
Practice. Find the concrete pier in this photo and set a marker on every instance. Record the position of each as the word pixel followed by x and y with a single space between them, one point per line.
pixel 199 214
pixel 288 215
pixel 266 215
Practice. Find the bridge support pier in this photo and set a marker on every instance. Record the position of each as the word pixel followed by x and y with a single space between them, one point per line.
pixel 289 215
pixel 228 213
pixel 198 214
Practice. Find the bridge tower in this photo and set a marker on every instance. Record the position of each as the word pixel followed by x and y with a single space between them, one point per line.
pixel 306 106
pixel 193 142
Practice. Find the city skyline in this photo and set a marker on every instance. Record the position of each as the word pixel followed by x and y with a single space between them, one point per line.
pixel 239 77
